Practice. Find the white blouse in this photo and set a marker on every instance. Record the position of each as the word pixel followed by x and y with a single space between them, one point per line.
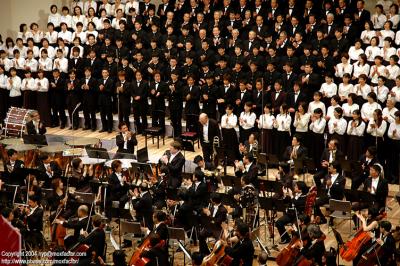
pixel 359 69
pixel 3 81
pixel 51 52
pixel 328 90
pixel 42 85
pixel 266 121
pixel 341 69
pixel 362 91
pixel 354 53
pixel 389 114
pixel 381 93
pixel 55 19
pixel 366 36
pixel 28 84
pixel 337 125
pixel 32 64
pixel 331 110
pixel 35 51
pixel 392 71
pixel 314 105
pixel 7 62
pixel 247 120
pixel 61 64
pixel 367 110
pixel 18 63
pixel 386 53
pixel 344 90
pixel 396 93
pixel 301 123
pixel 283 122
pixel 355 131
pixel 66 36
pixel 348 109
pixel 371 52
pixel 45 64
pixel 376 132
pixel 76 19
pixel 375 72
pixel 318 126
pixel 391 134
pixel 378 20
pixel 67 20
pixel 384 34
pixel 15 87
pixel 228 121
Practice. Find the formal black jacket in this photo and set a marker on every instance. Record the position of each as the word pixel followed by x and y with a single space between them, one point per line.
pixel 89 97
pixel 35 220
pixel 57 172
pixel 292 103
pixel 338 155
pixel 119 139
pixel 158 102
pixel 141 90
pixel 220 215
pixel 144 209
pixel 192 105
pixel 260 99
pixel 209 105
pixel 244 97
pixel 301 153
pixel 277 101
pixel 314 252
pixel 129 74
pixel 175 167
pixel 252 173
pixel 96 65
pixel 162 231
pixel 105 95
pixel 57 93
pixel 381 192
pixel 78 64
pixel 337 189
pixel 77 225
pixel 125 95
pixel 96 241
pixel 229 96
pixel 117 191
pixel 175 98
pixel 142 8
pixel 242 253
pixel 30 128
pixel 213 131
pixel 13 176
pixel 198 197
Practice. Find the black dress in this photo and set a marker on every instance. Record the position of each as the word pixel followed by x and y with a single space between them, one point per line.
pixel 42 101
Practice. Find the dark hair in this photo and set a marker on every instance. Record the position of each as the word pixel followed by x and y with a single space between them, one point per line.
pixel 216 198
pixel 372 95
pixel 243 229
pixel 386 225
pixel 6 212
pixel 197 159
pixel 339 110
pixel 198 174
pixel 115 164
pixel 119 258
pixel 55 183
pixel 11 152
pixel 76 162
pixel 160 216
pixel 372 150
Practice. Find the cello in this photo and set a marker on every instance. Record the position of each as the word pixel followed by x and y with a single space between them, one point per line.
pixel 218 256
pixel 352 247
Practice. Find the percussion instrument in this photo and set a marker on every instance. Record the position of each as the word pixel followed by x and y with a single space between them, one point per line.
pixel 126 163
pixel 82 142
pixel 11 141
pixel 16 119
pixel 88 160
pixel 22 147
pixel 54 148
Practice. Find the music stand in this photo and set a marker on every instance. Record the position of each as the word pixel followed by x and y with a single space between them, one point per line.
pixel 142 155
pixel 38 140
pixel 339 241
pixel 177 234
pixel 271 159
pixel 346 167
pixel 227 156
pixel 97 153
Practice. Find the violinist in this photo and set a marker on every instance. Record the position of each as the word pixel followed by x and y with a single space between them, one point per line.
pixel 79 225
pixel 118 186
pixel 198 194
pixel 315 249
pixel 12 167
pixel 203 165
pixel 332 188
pixel 156 253
pixel 77 173
pixel 95 239
pixel 243 251
pixel 58 200
pixel 217 214
pixel 34 187
pixel 49 169
pixel 248 168
pixel 142 203
pixel 35 126
pixel 34 219
pixel 297 200
pixel 126 142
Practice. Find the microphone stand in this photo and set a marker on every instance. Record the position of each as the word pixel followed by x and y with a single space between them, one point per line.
pixel 262 112
pixel 72 121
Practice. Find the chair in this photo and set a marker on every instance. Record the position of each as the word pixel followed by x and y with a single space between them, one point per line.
pixel 190 134
pixel 340 209
pixel 155 132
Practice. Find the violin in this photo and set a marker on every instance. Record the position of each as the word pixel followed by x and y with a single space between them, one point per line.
pixel 310 201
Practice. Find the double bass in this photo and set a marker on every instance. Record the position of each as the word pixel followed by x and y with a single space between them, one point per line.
pixel 218 256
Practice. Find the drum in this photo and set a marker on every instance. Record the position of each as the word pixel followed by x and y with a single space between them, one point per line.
pixel 14 124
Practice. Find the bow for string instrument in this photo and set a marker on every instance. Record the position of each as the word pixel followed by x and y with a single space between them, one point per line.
pixel 371 256
pixel 58 232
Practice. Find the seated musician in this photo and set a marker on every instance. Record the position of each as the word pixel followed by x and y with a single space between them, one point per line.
pixel 262 259
pixel 217 214
pixel 377 186
pixel 49 168
pixel 314 250
pixel 175 161
pixel 329 155
pixel 206 168
pixel 198 193
pixel 118 187
pixel 35 126
pixel 243 251
pixel 247 200
pixel 366 160
pixel 58 199
pixel 142 203
pixel 159 188
pixel 34 219
pixel 95 239
pixel 126 142
pixel 197 259
pixel 387 243
pixel 295 152
pixel 156 253
pixel 332 188
pixel 81 223
pixel 12 167
pixel 284 176
pixel 35 188
pixel 78 174
pixel 251 144
pixel 247 168
pixel 296 199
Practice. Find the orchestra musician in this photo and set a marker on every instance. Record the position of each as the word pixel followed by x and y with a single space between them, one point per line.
pixel 203 165
pixel 142 203
pixel 297 200
pixel 366 160
pixel 315 249
pixel 34 219
pixel 78 174
pixel 387 243
pixel 247 200
pixel 35 126
pixel 174 160
pixel 126 142
pixel 49 169
pixel 243 251
pixel 156 253
pixel 296 151
pixel 248 168
pixel 79 224
pixel 159 188
pixel 118 186
pixel 332 188
pixel 12 167
pixel 95 239
pixel 377 186
pixel 208 130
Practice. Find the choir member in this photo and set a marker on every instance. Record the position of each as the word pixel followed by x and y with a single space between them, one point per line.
pixel 89 93
pixel 191 95
pixel 228 129
pixel 73 99
pixel 14 88
pixel 337 128
pixel 394 151
pixel 266 125
pixel 57 100
pixel 28 87
pixel 317 129
pixel 301 121
pixel 123 92
pixel 106 92
pixel 282 124
pixel 42 97
pixel 246 122
pixel 375 133
pixel 126 142
pixel 140 92
pixel 157 91
pixel 175 102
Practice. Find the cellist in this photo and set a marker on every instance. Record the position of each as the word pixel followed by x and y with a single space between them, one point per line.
pixel 387 243
pixel 242 252
pixel 315 249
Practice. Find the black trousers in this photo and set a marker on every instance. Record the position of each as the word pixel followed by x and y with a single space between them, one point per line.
pixel 207 151
pixel 140 115
pixel 280 225
pixel 57 107
pixel 158 119
pixel 89 114
pixel 124 112
pixel 176 120
pixel 106 116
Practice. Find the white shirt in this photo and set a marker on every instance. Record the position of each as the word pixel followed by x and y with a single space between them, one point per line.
pixel 359 69
pixel 124 135
pixel 389 114
pixel 228 121
pixel 55 19
pixel 341 69
pixel 378 20
pixel 247 120
pixel 393 126
pixel 356 131
pixel 33 210
pixel 108 8
pixel 266 121
pixel 301 123
pixel 51 52
pixel 65 35
pixel 354 53
pixel 396 91
pixel 362 91
pixel 172 156
pixel 205 132
pixel 318 126
pixel 28 84
pixel 371 52
pixel 3 81
pixel 328 90
pixel 8 63
pixel 340 128
pixel 386 53
pixel 76 19
pixel 67 20
pixel 381 93
pixel 120 178
pixel 376 132
pixel 32 64
pixel 348 109
pixel 81 35
pixel 331 110
pixel 15 88
pixel 215 210
pixel 130 4
pixel 36 36
pixel 114 9
pixel 35 51
pixel 374 185
pixel 314 105
pixel 42 85
pixel 368 109
pixel 89 4
pixel 392 71
pixel 344 90
pixel 283 122
pixel 19 63
pixel 115 23
pixel 384 34
pixel 45 64
pixel 366 36
pixel 51 37
pixel 375 72
pixel 61 64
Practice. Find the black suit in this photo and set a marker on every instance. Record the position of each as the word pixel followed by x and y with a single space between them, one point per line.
pixel 314 252
pixel 229 95
pixel 31 129
pixel 292 102
pixel 326 155
pixel 158 103
pixel 130 146
pixel 277 101
pixel 301 153
pixel 57 101
pixel 260 98
pixel 78 64
pixel 360 177
pixel 106 92
pixel 210 104
pixel 96 241
pixel 56 172
pixel 117 192
pixel 96 65
pixel 242 253
pixel 77 225
pixel 175 104
pixel 175 170
pixel 144 209
pixel 124 102
pixel 336 191
pixel 140 89
pixel 252 173
pixel 198 196
pixel 192 108
pixel 12 175
pixel 207 146
pixel 89 102
pixel 288 81
pixel 35 225
pixel 73 98
pixel 381 192
pixel 143 8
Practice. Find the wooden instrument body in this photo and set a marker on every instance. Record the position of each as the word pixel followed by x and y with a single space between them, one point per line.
pixel 352 247
pixel 370 257
pixel 288 255
pixel 218 256
pixel 137 259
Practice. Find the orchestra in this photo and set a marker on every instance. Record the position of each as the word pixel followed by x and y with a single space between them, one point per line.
pixel 294 106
